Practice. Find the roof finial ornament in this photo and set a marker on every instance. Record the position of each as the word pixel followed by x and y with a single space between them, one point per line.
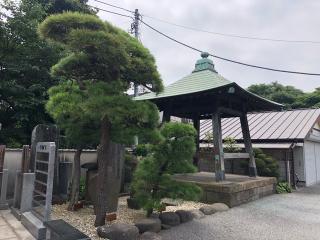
pixel 204 55
pixel 204 63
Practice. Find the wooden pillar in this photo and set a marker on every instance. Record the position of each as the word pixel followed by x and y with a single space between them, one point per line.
pixel 248 145
pixel 196 125
pixel 218 147
pixel 166 116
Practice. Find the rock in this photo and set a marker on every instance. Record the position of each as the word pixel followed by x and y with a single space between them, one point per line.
pixel 169 218
pixel 150 236
pixel 154 215
pixel 216 207
pixel 185 216
pixel 197 214
pixel 165 226
pixel 119 231
pixel 148 225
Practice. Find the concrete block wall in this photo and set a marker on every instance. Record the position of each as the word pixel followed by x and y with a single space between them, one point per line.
pixel 12 162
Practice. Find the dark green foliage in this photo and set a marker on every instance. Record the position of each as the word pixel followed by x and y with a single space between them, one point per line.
pixel 66 108
pixel 266 165
pixel 142 150
pixel 289 96
pixel 283 187
pixel 99 57
pixel 25 62
pixel 153 176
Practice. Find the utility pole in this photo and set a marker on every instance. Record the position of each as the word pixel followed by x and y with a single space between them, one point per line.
pixel 135 30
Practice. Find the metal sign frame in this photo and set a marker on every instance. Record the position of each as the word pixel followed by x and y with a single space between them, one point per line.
pixel 50 149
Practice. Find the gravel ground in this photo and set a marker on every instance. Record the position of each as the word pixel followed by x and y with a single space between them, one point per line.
pixel 294 216
pixel 83 219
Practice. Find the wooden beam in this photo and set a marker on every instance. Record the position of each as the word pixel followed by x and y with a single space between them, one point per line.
pixel 218 147
pixel 236 155
pixel 231 111
pixel 248 145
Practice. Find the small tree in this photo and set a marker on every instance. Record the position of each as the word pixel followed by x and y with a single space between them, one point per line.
pixel 153 176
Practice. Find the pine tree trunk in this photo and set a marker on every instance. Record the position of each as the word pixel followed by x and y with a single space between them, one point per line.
pixel 75 180
pixel 103 148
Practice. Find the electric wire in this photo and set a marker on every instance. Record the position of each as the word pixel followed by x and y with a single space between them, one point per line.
pixel 212 32
pixel 112 5
pixel 116 13
pixel 232 35
pixel 213 55
pixel 227 59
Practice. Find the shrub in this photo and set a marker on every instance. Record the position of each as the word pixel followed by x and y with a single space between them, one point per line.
pixel 153 176
pixel 142 150
pixel 283 187
pixel 230 145
pixel 266 165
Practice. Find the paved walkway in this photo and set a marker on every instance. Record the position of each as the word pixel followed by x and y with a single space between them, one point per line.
pixel 11 228
pixel 294 216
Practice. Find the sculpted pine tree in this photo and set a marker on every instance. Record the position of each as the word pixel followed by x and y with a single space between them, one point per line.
pixel 80 130
pixel 100 65
pixel 173 154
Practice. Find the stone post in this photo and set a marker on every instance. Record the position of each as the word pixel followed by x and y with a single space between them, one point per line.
pixel 3 193
pixel 2 153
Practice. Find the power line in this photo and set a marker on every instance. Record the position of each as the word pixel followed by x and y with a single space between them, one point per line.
pixel 213 32
pixel 227 59
pixel 112 5
pixel 213 55
pixel 232 35
pixel 116 13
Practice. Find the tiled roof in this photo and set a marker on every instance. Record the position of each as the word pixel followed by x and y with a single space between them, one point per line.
pixel 284 125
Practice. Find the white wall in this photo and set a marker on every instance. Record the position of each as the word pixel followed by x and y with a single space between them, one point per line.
pixel 12 162
pixel 312 162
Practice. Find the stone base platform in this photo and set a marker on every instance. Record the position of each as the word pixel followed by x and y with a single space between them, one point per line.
pixel 235 190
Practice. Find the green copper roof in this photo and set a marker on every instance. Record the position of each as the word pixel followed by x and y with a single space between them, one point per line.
pixel 204 77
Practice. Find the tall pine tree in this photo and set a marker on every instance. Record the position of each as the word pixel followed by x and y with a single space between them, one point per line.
pixel 101 65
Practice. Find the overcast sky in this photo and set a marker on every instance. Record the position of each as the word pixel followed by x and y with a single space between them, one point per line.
pixel 280 19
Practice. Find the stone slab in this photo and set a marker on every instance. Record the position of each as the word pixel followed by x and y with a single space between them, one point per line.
pixel 23 194
pixel 61 230
pixel 33 225
pixel 235 190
